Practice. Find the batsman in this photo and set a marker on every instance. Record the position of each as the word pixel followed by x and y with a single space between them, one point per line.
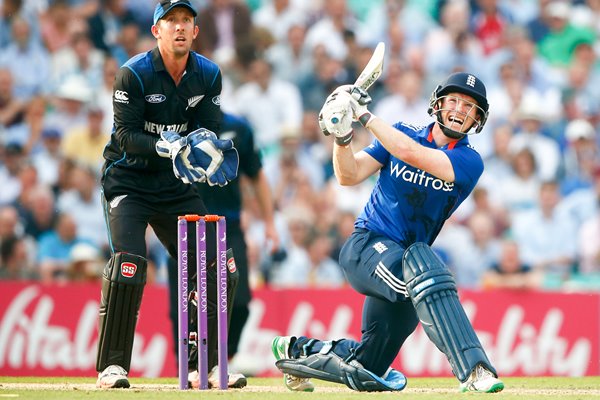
pixel 425 173
pixel 166 109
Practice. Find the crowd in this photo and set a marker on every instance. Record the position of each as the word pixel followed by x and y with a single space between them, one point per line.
pixel 532 221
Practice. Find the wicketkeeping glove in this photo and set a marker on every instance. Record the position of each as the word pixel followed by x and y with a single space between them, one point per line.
pixel 175 147
pixel 217 158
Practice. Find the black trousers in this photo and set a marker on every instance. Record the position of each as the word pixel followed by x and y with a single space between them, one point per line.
pixel 133 200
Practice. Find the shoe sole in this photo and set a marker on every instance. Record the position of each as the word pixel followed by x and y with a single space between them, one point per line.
pixel 118 384
pixel 278 353
pixel 495 388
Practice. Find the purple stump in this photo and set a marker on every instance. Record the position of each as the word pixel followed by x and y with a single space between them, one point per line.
pixel 222 300
pixel 182 301
pixel 202 303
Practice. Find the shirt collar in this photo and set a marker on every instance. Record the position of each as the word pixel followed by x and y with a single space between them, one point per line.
pixel 427 132
pixel 159 65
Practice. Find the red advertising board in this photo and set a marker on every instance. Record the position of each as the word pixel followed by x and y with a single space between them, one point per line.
pixel 52 331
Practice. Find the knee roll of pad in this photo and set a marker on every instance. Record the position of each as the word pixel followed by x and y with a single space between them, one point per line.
pixel 432 290
pixel 123 284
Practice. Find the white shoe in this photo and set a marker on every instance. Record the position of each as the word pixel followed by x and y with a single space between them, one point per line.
pixel 280 346
pixel 235 381
pixel 482 380
pixel 113 376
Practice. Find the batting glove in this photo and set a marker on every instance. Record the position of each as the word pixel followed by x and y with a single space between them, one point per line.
pixel 359 101
pixel 337 119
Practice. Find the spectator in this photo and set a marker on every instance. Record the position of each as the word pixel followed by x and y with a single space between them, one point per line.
pixel 519 192
pixel 282 11
pixel 107 23
pixel 14 261
pixel 84 144
pixel 104 93
pixel 329 30
pixel 558 44
pixel 511 272
pixel 27 60
pixel 54 251
pixel 530 135
pixel 13 161
pixel 269 104
pixel 291 60
pixel 580 156
pixel 11 108
pixel 224 24
pixel 547 237
pixel 83 203
pixel 48 158
pixel 38 211
pixel 80 60
pixel 86 264
pixel 28 131
pixel 406 102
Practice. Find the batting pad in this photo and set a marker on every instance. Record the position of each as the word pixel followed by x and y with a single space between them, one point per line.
pixel 123 284
pixel 432 290
pixel 332 368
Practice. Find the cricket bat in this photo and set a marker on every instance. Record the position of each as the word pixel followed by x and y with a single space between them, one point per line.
pixel 370 73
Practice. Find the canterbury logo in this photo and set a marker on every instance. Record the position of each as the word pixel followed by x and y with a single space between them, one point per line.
pixel 121 96
pixel 128 269
pixel 192 101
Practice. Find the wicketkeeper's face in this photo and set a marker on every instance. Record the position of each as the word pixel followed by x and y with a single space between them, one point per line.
pixel 176 31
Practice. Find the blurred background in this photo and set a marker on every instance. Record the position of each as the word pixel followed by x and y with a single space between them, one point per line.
pixel 531 225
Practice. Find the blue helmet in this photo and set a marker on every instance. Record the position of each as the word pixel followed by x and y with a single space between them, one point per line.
pixel 465 83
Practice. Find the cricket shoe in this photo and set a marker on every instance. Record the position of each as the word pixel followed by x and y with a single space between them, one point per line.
pixel 112 377
pixel 280 348
pixel 235 381
pixel 482 380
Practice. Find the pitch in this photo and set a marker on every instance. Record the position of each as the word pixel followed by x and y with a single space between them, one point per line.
pixel 523 388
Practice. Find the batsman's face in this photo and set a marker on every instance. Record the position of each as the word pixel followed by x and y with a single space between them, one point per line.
pixel 459 111
pixel 176 31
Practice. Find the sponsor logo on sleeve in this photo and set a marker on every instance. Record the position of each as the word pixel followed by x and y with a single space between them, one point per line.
pixel 216 100
pixel 121 96
pixel 128 269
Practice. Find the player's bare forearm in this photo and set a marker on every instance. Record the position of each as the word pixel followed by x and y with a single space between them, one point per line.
pixel 403 147
pixel 352 168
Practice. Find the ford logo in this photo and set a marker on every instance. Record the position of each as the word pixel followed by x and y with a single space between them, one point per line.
pixel 156 98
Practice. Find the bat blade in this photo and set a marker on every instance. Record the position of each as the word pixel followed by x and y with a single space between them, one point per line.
pixel 373 69
pixel 369 74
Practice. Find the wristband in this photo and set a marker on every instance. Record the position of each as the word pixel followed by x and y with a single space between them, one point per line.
pixel 344 140
pixel 366 118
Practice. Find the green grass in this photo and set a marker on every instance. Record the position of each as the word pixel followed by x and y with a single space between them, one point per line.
pixel 550 388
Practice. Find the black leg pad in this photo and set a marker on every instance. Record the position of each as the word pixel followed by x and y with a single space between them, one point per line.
pixel 123 284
